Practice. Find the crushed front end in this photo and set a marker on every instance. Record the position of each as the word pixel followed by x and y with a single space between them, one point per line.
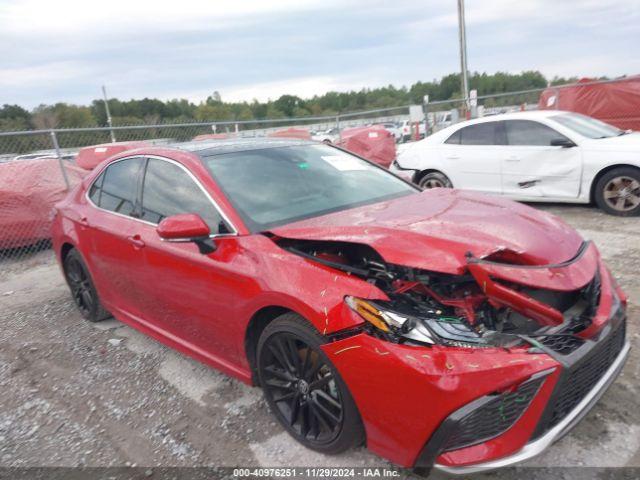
pixel 474 371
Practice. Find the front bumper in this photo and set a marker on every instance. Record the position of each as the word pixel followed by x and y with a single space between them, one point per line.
pixel 405 394
pixel 537 446
pixel 404 173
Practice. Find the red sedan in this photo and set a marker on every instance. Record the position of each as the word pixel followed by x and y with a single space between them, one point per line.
pixel 442 328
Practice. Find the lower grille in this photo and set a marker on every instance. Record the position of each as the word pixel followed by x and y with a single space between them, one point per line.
pixel 580 379
pixel 493 418
pixel 564 344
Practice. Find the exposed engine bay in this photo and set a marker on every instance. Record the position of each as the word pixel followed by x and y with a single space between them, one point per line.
pixel 427 307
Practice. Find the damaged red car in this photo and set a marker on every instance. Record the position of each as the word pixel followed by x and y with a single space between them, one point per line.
pixel 443 329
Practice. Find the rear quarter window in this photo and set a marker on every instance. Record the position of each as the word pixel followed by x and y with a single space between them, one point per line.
pixel 478 134
pixel 454 139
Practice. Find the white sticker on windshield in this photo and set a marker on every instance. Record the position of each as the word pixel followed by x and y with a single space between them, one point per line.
pixel 344 162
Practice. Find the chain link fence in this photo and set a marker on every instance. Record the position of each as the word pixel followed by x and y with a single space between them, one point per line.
pixel 38 168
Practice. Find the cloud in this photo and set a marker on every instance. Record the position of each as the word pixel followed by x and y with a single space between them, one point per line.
pixel 302 87
pixel 32 76
pixel 65 50
pixel 73 17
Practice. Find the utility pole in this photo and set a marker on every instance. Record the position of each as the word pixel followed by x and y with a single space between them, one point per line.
pixel 462 34
pixel 106 107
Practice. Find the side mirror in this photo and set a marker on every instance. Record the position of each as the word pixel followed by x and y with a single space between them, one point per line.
pixel 562 142
pixel 187 227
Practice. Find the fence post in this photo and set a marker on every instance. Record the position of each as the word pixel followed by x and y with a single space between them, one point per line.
pixel 54 140
pixel 106 108
pixel 338 127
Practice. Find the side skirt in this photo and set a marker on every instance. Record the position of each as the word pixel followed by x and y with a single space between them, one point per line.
pixel 181 345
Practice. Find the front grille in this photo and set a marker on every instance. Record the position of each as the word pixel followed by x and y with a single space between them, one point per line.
pixel 581 306
pixel 580 379
pixel 564 344
pixel 493 418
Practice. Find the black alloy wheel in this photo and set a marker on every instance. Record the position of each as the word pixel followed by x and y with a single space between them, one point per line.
pixel 303 389
pixel 82 289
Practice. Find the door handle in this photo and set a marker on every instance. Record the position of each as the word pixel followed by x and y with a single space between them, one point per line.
pixel 452 157
pixel 136 241
pixel 513 158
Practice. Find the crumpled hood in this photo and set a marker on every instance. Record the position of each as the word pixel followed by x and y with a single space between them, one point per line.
pixel 435 229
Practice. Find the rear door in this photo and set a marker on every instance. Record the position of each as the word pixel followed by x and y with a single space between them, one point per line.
pixel 473 157
pixel 109 223
pixel 535 169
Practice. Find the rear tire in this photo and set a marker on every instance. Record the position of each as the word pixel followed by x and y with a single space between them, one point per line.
pixel 303 388
pixel 434 180
pixel 83 291
pixel 617 192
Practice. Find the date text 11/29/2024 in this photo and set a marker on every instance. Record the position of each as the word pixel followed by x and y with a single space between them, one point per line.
pixel 317 472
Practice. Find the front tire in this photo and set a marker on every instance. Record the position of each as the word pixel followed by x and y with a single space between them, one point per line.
pixel 82 288
pixel 617 192
pixel 434 180
pixel 303 388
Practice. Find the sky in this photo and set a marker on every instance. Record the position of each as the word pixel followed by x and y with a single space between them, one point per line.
pixel 64 50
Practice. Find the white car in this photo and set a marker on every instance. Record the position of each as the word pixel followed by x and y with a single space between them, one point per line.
pixel 550 156
pixel 331 135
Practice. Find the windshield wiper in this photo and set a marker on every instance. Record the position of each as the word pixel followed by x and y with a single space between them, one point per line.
pixel 623 132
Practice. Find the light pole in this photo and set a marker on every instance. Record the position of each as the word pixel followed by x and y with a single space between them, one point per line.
pixel 462 34
pixel 106 107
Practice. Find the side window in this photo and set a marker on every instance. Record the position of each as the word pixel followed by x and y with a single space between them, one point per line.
pixel 168 190
pixel 115 189
pixel 478 134
pixel 454 139
pixel 528 132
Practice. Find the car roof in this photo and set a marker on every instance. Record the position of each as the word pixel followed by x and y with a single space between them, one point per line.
pixel 219 147
pixel 527 115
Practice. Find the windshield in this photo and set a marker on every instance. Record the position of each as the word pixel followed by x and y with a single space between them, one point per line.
pixel 587 126
pixel 275 186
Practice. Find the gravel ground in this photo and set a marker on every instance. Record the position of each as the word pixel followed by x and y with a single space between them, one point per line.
pixel 93 395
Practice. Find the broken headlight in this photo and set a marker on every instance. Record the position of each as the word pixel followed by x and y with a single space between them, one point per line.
pixel 433 329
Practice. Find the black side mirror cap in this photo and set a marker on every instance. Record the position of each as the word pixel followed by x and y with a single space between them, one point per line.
pixel 205 245
pixel 562 142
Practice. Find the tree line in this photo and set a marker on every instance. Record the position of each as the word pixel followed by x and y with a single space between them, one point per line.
pixel 149 111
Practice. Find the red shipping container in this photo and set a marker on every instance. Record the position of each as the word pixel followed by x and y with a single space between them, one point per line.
pixel 299 133
pixel 374 143
pixel 28 191
pixel 616 103
pixel 89 157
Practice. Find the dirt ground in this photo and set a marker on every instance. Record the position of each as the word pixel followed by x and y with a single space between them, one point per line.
pixel 79 394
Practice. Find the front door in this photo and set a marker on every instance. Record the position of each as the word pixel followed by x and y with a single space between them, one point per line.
pixel 533 168
pixel 186 294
